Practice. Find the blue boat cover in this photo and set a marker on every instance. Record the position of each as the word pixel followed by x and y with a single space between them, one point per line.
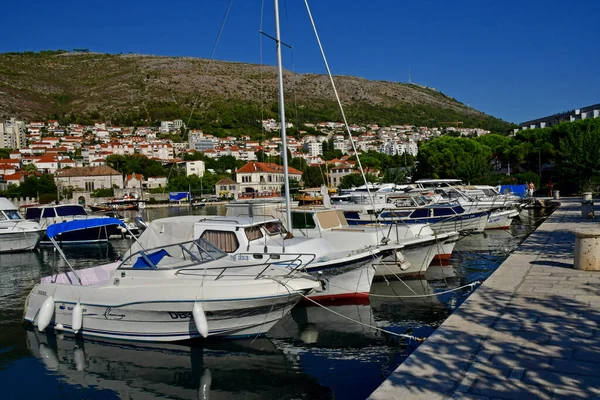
pixel 79 224
pixel 517 190
pixel 177 196
pixel 155 257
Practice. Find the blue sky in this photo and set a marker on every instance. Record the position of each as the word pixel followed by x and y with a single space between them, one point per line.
pixel 516 60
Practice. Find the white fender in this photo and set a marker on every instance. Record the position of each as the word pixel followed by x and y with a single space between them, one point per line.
pixel 205 382
pixel 77 319
pixel 79 357
pixel 405 265
pixel 46 313
pixel 200 319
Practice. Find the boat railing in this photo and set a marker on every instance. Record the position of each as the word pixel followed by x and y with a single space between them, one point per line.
pixel 293 261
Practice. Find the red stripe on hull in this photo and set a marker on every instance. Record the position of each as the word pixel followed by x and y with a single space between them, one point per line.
pixel 341 299
pixel 442 257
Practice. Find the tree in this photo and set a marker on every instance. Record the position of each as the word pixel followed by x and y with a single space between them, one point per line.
pixel 5 153
pixel 354 180
pixel 580 149
pixel 369 163
pixel 30 169
pixel 313 177
pixel 450 157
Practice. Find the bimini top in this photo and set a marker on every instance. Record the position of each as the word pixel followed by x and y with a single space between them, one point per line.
pixel 79 224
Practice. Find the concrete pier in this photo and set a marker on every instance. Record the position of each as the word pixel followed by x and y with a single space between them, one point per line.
pixel 530 331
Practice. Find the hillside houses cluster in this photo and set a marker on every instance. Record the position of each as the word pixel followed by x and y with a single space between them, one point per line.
pixel 51 147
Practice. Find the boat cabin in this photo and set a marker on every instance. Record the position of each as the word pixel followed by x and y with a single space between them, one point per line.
pixel 55 210
pixel 8 211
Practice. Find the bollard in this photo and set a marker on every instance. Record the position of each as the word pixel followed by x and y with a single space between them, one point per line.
pixel 556 194
pixel 587 196
pixel 587 249
pixel 587 209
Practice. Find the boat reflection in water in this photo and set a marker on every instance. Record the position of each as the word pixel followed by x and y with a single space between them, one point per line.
pixel 248 369
pixel 319 327
pixel 411 302
pixel 350 358
pixel 499 242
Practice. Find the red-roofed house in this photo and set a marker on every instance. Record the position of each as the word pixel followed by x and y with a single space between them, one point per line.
pixel 7 169
pixel 11 161
pixel 47 165
pixel 263 177
pixel 67 163
pixel 14 179
pixel 133 181
pixel 337 172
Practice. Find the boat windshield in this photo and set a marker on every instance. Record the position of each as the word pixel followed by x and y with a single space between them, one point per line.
pixel 65 211
pixel 178 255
pixel 13 214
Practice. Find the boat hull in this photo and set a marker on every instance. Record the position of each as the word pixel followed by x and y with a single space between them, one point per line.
pixel 11 242
pixel 410 261
pixel 164 312
pixel 501 219
pixel 467 222
pixel 344 282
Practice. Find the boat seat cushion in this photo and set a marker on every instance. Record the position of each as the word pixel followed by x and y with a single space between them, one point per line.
pixel 89 276
pixel 155 257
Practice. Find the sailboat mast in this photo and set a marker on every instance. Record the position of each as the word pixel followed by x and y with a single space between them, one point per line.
pixel 288 214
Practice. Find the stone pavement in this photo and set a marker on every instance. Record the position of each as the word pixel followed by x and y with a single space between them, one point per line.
pixel 530 331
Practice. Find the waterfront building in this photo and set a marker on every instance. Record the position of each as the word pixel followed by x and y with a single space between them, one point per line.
pixel 261 177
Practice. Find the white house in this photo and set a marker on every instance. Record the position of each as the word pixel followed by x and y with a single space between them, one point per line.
pixel 194 168
pixel 263 177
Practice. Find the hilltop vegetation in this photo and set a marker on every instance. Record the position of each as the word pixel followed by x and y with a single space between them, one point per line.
pixel 132 89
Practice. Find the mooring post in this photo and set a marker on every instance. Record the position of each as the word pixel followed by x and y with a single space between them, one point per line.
pixel 587 206
pixel 587 249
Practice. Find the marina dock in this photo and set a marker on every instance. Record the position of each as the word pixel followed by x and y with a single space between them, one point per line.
pixel 530 331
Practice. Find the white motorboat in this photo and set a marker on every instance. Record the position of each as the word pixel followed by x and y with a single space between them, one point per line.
pixel 503 207
pixel 247 241
pixel 414 246
pixel 441 217
pixel 169 293
pixel 16 233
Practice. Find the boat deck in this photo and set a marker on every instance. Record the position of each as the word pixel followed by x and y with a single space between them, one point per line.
pixel 530 331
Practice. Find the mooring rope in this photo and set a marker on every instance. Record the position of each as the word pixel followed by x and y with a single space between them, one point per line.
pixel 471 285
pixel 403 335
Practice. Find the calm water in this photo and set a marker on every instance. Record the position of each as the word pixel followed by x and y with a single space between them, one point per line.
pixel 310 354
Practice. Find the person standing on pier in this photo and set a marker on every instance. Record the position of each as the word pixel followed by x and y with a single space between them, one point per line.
pixel 531 189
